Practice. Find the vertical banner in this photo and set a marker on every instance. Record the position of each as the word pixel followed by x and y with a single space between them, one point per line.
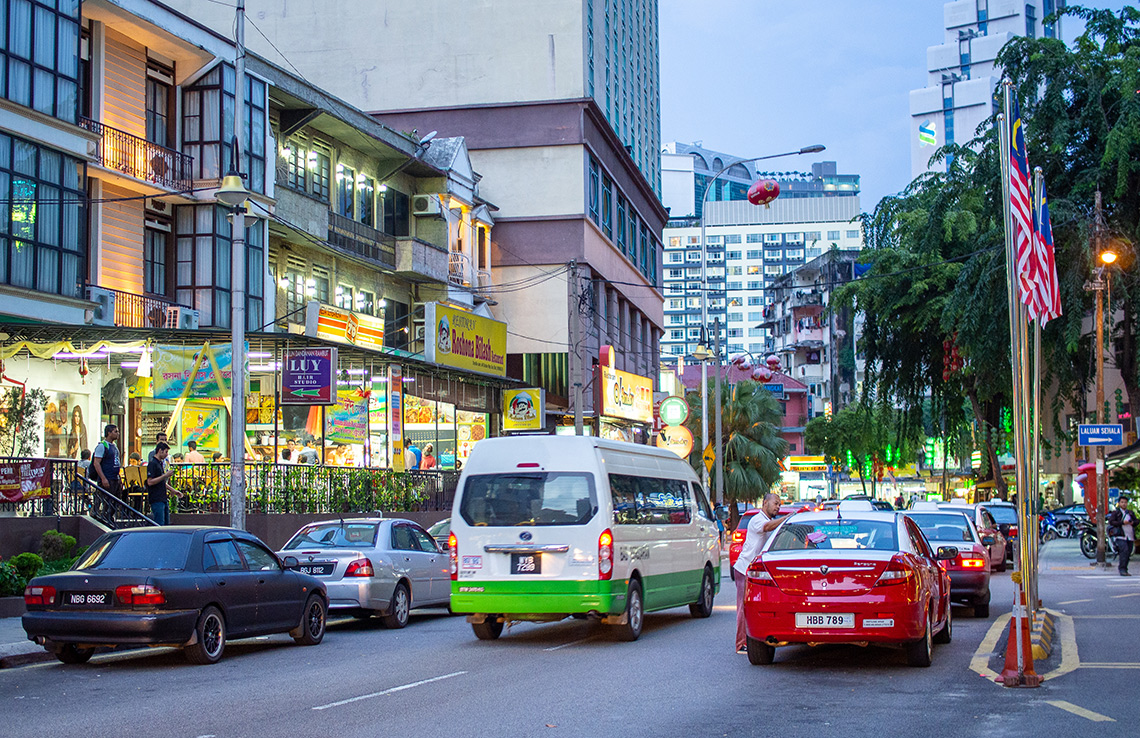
pixel 396 416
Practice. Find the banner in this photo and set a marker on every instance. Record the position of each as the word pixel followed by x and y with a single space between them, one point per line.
pixel 173 364
pixel 623 395
pixel 25 480
pixel 308 376
pixel 524 409
pixel 464 340
pixel 347 420
pixel 396 416
pixel 343 326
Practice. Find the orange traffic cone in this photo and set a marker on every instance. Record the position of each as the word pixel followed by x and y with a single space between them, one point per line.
pixel 1010 675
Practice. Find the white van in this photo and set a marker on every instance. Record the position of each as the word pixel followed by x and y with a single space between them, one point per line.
pixel 546 527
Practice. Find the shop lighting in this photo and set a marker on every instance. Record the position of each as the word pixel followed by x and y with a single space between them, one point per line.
pixel 409 379
pixel 259 354
pixel 145 364
pixel 357 372
pixel 383 302
pixel 380 380
pixel 383 188
pixel 130 365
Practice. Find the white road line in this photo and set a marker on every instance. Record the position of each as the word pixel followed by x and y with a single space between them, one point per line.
pixel 1130 594
pixel 1106 617
pixel 571 643
pixel 1110 666
pixel 1073 602
pixel 401 688
pixel 1096 717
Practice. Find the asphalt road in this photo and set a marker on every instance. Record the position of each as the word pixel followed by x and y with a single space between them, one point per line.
pixel 575 679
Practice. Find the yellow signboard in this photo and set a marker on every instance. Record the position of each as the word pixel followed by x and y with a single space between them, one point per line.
pixel 709 457
pixel 524 409
pixel 624 395
pixel 343 326
pixel 464 340
pixel 806 463
pixel 676 438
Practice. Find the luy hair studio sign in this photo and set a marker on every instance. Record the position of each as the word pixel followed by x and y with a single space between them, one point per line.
pixel 464 340
pixel 624 394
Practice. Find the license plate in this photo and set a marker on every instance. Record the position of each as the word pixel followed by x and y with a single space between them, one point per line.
pixel 316 570
pixel 88 599
pixel 825 620
pixel 526 563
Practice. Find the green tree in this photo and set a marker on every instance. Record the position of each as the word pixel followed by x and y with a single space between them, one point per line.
pixel 858 432
pixel 20 415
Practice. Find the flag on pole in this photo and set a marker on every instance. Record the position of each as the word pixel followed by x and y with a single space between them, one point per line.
pixel 1020 203
pixel 1046 262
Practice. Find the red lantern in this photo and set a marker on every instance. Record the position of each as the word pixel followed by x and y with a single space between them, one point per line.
pixel 763 191
pixel 744 365
pixel 772 361
pixel 765 374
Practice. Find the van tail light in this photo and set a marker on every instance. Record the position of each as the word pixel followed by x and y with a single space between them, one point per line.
pixel 605 555
pixel 971 561
pixel 140 594
pixel 359 568
pixel 759 574
pixel 453 548
pixel 1013 531
pixel 39 595
pixel 897 572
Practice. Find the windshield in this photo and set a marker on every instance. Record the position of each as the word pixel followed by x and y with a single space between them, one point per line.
pixel 1003 513
pixel 139 550
pixel 335 535
pixel 878 535
pixel 541 498
pixel 944 528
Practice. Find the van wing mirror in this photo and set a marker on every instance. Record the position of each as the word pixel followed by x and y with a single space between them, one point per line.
pixel 721 512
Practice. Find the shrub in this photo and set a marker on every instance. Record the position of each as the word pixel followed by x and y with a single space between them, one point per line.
pixel 55 545
pixel 11 583
pixel 26 565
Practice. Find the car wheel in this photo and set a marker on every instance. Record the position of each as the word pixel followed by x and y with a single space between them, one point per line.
pixel 947 632
pixel 982 609
pixel 72 654
pixel 630 630
pixel 489 629
pixel 921 652
pixel 1065 529
pixel 1001 566
pixel 210 638
pixel 398 610
pixel 759 652
pixel 703 607
pixel 312 622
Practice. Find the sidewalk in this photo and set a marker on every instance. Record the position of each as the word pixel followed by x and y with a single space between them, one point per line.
pixel 15 648
pixel 1064 554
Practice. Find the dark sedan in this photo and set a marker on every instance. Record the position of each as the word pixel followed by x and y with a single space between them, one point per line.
pixel 188 587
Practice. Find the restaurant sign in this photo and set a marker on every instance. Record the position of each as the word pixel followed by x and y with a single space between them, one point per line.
pixel 308 376
pixel 343 326
pixel 174 366
pixel 25 480
pixel 524 409
pixel 463 340
pixel 624 395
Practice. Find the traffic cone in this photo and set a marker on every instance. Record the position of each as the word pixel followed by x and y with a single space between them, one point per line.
pixel 1010 676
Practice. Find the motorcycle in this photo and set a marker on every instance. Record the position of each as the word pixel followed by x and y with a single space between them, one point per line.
pixel 1087 532
pixel 1047 527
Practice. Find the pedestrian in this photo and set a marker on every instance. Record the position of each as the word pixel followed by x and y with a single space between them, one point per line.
pixel 1121 524
pixel 759 527
pixel 192 455
pixel 411 455
pixel 156 492
pixel 217 458
pixel 900 502
pixel 105 461
pixel 427 460
pixel 289 453
pixel 159 437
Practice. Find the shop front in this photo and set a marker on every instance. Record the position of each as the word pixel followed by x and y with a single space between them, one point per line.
pixel 624 403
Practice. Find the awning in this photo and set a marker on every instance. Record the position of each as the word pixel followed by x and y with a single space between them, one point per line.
pixel 1123 456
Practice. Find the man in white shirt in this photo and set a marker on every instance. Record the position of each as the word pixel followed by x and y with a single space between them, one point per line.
pixel 759 527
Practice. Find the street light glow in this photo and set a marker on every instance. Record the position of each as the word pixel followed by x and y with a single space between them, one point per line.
pixel 1108 257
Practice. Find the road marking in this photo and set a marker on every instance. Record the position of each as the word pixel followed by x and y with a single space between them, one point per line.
pixel 392 690
pixel 1073 602
pixel 571 643
pixel 1087 665
pixel 981 659
pixel 1130 594
pixel 1096 717
pixel 725 608
pixel 1107 617
pixel 1070 658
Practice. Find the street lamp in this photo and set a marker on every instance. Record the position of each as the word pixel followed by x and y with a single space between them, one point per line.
pixel 813 149
pixel 1101 284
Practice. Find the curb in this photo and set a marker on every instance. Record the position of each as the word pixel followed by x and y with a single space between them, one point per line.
pixel 24 659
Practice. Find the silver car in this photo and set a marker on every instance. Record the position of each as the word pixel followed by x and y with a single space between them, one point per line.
pixel 373 566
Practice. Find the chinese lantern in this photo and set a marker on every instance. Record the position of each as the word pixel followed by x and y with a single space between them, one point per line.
pixel 83 370
pixel 772 361
pixel 765 374
pixel 763 191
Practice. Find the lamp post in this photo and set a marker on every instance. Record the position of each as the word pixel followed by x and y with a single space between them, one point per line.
pixel 1101 284
pixel 813 149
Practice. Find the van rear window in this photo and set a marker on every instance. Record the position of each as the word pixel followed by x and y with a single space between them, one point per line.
pixel 542 498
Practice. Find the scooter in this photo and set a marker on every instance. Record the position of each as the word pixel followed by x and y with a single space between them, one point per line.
pixel 1087 532
pixel 1047 527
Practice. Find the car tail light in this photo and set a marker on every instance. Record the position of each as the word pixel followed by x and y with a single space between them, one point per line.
pixel 971 561
pixel 359 568
pixel 453 547
pixel 1013 531
pixel 39 595
pixel 759 574
pixel 897 573
pixel 738 536
pixel 140 594
pixel 605 554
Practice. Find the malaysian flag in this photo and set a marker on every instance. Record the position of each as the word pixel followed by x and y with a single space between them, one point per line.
pixel 1047 266
pixel 1020 203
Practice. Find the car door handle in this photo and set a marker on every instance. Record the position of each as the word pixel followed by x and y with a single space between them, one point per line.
pixel 221 582
pixel 261 581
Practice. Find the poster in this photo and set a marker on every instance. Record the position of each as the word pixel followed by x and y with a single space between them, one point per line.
pixel 173 364
pixel 65 428
pixel 347 420
pixel 26 480
pixel 396 416
pixel 204 426
pixel 524 409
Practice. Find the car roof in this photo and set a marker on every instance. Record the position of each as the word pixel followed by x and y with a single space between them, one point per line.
pixel 945 513
pixel 883 515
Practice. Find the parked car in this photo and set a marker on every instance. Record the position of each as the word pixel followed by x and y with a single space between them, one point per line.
pixel 1005 516
pixel 989 531
pixel 855 575
pixel 1067 516
pixel 373 566
pixel 737 541
pixel 970 571
pixel 440 532
pixel 191 587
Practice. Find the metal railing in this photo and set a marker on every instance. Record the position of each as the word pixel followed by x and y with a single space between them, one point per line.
pixel 74 494
pixel 136 157
pixel 362 240
pixel 141 311
pixel 459 268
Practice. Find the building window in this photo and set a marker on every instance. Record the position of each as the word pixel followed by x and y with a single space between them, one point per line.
pixel 621 224
pixel 396 325
pixel 607 206
pixel 594 190
pixel 159 103
pixel 365 200
pixel 39 58
pixel 345 297
pixel 321 283
pixel 853 234
pixel 755 238
pixel 203 243
pixel 813 235
pixel 1030 21
pixel 253 147
pixel 208 126
pixel 365 302
pixel 156 244
pixel 833 235
pixel 394 211
pixel 319 165
pixel 345 190
pixel 772 237
pixel 755 254
pixel 754 300
pixel 43 212
pixel 733 256
pixel 732 239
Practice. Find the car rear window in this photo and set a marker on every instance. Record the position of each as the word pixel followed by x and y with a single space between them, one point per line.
pixel 139 550
pixel 744 522
pixel 944 528
pixel 1003 514
pixel 335 535
pixel 538 498
pixel 845 533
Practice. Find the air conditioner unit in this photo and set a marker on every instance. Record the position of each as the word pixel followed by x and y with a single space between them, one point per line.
pixel 181 318
pixel 426 205
pixel 104 311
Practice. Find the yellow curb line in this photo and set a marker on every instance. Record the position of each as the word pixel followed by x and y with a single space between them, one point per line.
pixel 1070 660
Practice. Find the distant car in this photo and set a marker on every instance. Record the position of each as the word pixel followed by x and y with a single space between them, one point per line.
pixel 1005 515
pixel 970 570
pixel 737 541
pixel 876 504
pixel 989 531
pixel 374 566
pixel 439 532
pixel 1067 516
pixel 191 587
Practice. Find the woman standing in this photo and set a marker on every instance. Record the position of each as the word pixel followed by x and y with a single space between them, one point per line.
pixel 77 435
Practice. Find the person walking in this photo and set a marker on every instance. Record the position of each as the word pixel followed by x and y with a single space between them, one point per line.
pixel 1121 524
pixel 156 492
pixel 759 527
pixel 105 461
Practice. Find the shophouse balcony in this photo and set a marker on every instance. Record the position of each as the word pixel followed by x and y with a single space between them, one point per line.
pixel 807 299
pixel 136 157
pixel 131 310
pixel 362 240
pixel 460 270
pixel 418 260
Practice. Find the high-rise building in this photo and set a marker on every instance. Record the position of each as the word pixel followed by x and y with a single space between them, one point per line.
pixel 961 73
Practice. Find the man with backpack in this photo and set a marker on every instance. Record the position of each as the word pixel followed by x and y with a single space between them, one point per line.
pixel 105 461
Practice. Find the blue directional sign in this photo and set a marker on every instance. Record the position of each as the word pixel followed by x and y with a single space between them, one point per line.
pixel 1100 435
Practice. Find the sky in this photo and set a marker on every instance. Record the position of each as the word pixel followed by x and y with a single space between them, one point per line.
pixel 757 77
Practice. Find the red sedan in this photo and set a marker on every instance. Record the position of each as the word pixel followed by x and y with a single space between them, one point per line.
pixel 848 576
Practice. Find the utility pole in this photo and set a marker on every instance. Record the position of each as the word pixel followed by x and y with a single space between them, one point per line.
pixel 1099 413
pixel 237 296
pixel 719 430
pixel 575 359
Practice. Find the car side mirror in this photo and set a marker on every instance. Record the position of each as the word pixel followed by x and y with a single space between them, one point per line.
pixel 988 540
pixel 290 562
pixel 946 553
pixel 721 512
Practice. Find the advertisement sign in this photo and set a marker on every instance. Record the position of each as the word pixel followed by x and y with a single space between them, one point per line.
pixel 396 416
pixel 26 480
pixel 203 426
pixel 464 340
pixel 624 395
pixel 674 410
pixel 776 388
pixel 343 326
pixel 308 376
pixel 524 409
pixel 347 420
pixel 676 438
pixel 174 364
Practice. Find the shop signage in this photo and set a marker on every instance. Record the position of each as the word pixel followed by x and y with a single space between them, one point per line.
pixel 396 416
pixel 173 366
pixel 464 340
pixel 806 463
pixel 347 420
pixel 343 326
pixel 776 388
pixel 674 410
pixel 624 395
pixel 308 376
pixel 524 409
pixel 26 480
pixel 203 426
pixel 676 438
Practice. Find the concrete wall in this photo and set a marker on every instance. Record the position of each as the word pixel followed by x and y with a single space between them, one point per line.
pixel 18 535
pixel 277 529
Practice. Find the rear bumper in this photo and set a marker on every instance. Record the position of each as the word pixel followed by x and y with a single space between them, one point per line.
pixel 360 593
pixel 969 585
pixel 774 618
pixel 523 600
pixel 111 628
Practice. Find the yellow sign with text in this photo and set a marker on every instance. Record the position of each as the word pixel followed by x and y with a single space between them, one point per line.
pixel 624 395
pixel 463 340
pixel 524 409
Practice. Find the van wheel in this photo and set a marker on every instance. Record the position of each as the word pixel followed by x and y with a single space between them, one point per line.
pixel 703 607
pixel 489 629
pixel 759 652
pixel 72 654
pixel 635 614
